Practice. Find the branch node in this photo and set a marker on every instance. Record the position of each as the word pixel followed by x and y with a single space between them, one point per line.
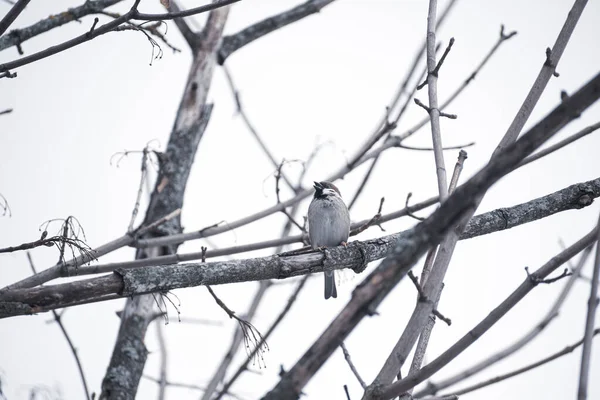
pixel 535 279
pixel 549 63
pixel 504 36
pixel 89 34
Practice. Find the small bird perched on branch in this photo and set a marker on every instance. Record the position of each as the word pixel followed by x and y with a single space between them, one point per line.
pixel 328 225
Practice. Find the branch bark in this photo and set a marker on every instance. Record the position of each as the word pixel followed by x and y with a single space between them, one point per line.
pixel 17 36
pixel 433 388
pixel 385 277
pixel 175 165
pixel 12 14
pixel 27 301
pixel 588 336
pixel 433 285
pixel 531 281
pixel 246 36
pixel 132 14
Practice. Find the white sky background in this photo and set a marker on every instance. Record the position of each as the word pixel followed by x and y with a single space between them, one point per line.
pixel 327 77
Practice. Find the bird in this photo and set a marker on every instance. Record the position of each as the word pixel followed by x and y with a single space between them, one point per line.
pixel 328 224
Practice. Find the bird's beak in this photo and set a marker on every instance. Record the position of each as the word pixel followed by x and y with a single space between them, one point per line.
pixel 317 186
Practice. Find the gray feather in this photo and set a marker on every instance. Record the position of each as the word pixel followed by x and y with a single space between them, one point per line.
pixel 328 222
pixel 328 226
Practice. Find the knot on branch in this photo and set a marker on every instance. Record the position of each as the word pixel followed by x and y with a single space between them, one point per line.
pixel 535 279
pixel 502 213
pixel 549 63
pixel 586 197
pixel 365 257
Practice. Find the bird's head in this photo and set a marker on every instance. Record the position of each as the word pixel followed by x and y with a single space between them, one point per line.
pixel 324 189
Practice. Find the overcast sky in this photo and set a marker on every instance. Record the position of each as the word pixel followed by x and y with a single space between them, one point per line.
pixel 326 78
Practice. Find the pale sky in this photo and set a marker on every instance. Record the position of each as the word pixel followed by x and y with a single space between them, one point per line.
pixel 326 78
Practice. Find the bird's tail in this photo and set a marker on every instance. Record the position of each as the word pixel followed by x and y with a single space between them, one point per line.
pixel 330 290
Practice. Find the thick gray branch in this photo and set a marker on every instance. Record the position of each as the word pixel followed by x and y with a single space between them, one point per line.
pixel 277 266
pixel 392 270
pixel 236 41
pixel 17 36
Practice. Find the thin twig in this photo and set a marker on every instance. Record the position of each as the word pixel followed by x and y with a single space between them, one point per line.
pixel 4 206
pixel 436 70
pixel 589 326
pixel 551 149
pixel 138 198
pixel 252 337
pixel 566 199
pixel 57 318
pixel 448 244
pixel 493 317
pixel 243 367
pixel 446 148
pixel 12 14
pixel 239 334
pixel 500 378
pixel 132 14
pixel 434 112
pixel 278 175
pixel 66 268
pixel 351 365
pixel 373 221
pixel 240 109
pixel 162 384
pixel 503 37
pixel 553 312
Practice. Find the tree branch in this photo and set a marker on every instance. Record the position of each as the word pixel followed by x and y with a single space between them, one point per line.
pixel 513 299
pixel 386 276
pixel 246 36
pixel 17 36
pixel 433 285
pixel 586 353
pixel 188 34
pixel 132 14
pixel 12 14
pixel 433 388
pixel 573 197
pixel 500 378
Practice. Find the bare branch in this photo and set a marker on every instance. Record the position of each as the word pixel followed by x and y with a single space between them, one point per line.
pixel 236 41
pixel 465 83
pixel 424 336
pixel 434 387
pixel 543 77
pixel 253 131
pixel 259 345
pixel 57 318
pixel 291 300
pixel 586 353
pixel 422 311
pixel 500 378
pixel 434 112
pixel 162 383
pixel 132 14
pixel 551 149
pixel 4 205
pixel 401 258
pixel 513 299
pixel 17 36
pixel 67 268
pixel 12 14
pixel 188 34
pixel 352 367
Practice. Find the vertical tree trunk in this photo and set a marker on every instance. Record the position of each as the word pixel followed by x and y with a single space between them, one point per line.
pixel 129 355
